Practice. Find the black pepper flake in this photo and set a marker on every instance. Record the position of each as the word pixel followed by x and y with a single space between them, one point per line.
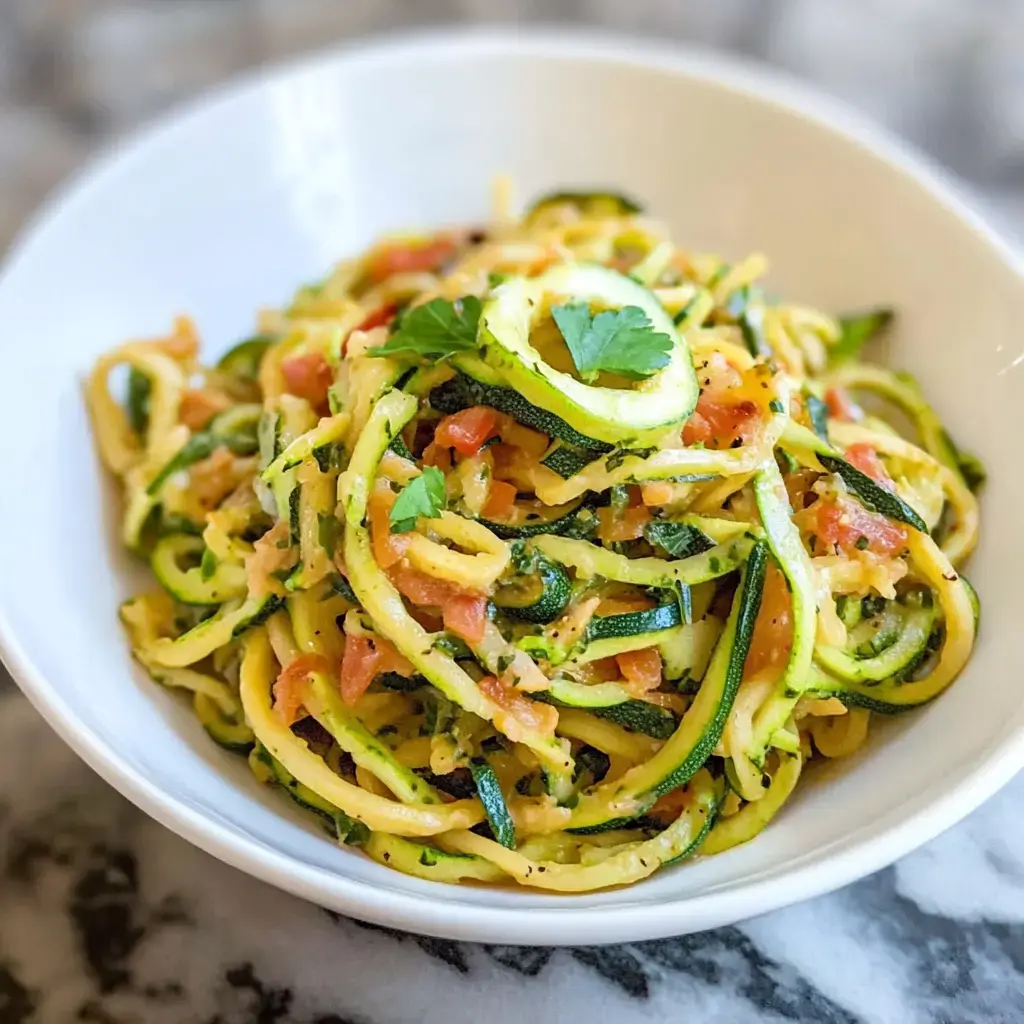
pixel 707 382
pixel 387 856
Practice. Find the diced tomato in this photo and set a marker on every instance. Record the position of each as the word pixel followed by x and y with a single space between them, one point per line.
pixel 466 431
pixel 531 714
pixel 642 669
pixel 199 405
pixel 719 424
pixel 622 524
pixel 863 457
pixel 840 405
pixel 466 616
pixel 409 259
pixel 308 376
pixel 419 587
pixel 378 318
pixel 657 493
pixel 773 630
pixel 501 499
pixel 290 687
pixel 847 525
pixel 388 547
pixel 359 666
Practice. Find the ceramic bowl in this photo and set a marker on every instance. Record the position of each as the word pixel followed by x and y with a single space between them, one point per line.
pixel 232 202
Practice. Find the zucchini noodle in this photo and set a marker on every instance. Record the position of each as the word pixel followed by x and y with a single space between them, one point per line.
pixel 543 553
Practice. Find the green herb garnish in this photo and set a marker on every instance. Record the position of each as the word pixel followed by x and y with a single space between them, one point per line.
pixel 619 341
pixel 435 330
pixel 423 498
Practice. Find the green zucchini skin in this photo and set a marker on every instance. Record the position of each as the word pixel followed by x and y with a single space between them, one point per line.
pixel 640 716
pixel 493 799
pixel 624 417
pixel 557 526
pixel 235 736
pixel 463 391
pixel 191 586
pixel 336 822
pixel 700 729
pixel 567 461
pixel 872 496
pixel 611 627
pixel 897 659
pixel 556 590
pixel 588 203
pixel 243 360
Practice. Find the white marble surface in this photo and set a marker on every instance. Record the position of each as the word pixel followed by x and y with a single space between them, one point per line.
pixel 106 917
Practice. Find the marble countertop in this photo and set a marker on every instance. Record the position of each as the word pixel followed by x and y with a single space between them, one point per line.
pixel 106 917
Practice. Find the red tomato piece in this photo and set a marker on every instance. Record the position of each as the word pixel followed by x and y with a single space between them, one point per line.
pixel 290 686
pixel 531 714
pixel 773 630
pixel 719 424
pixel 501 499
pixel 466 431
pixel 410 259
pixel 359 666
pixel 642 669
pixel 420 588
pixel 622 524
pixel 466 616
pixel 846 525
pixel 308 376
pixel 388 547
pixel 378 318
pixel 840 405
pixel 863 457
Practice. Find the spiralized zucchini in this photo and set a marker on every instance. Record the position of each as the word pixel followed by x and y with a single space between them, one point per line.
pixel 545 553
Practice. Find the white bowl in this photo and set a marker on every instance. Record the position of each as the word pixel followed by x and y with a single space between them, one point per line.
pixel 230 204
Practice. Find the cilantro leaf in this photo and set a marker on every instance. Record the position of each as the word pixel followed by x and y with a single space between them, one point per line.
pixel 423 497
pixel 620 341
pixel 434 330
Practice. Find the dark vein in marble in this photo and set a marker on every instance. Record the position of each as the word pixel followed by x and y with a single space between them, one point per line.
pixel 17 1001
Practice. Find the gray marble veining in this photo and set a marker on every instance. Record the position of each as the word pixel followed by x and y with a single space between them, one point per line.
pixel 106 917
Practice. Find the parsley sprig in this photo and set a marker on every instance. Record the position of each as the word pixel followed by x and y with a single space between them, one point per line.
pixel 435 330
pixel 423 497
pixel 621 341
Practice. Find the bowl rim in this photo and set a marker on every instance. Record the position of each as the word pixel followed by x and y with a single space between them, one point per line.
pixel 876 847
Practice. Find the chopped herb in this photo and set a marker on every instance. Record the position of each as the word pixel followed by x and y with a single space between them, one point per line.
pixel 493 279
pixel 435 330
pixel 619 496
pixel 679 539
pixel 620 341
pixel 424 497
pixel 776 406
pixel 328 530
pixel 620 455
pixel 861 543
